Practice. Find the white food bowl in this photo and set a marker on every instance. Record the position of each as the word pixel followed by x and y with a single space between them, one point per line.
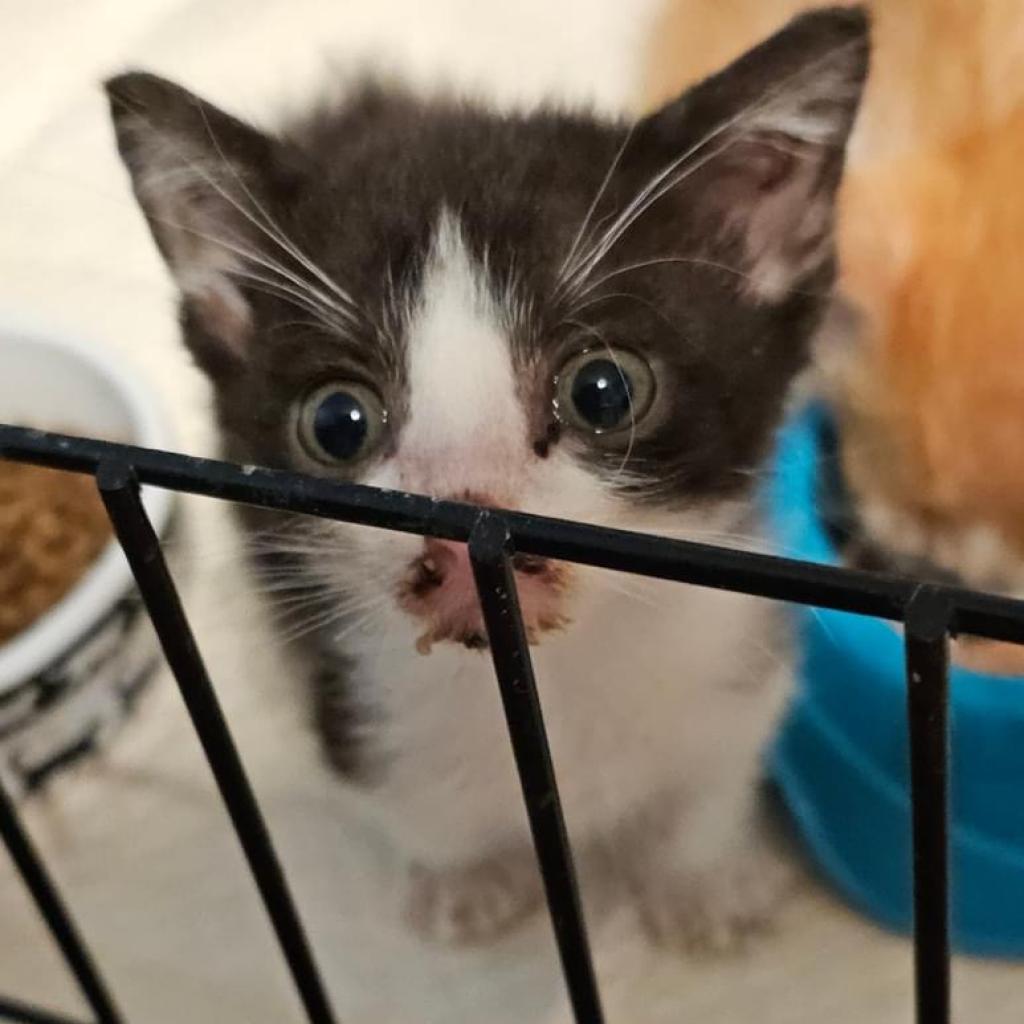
pixel 68 678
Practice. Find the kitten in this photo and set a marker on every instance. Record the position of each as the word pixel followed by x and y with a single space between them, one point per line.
pixel 546 311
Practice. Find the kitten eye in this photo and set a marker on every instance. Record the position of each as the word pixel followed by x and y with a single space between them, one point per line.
pixel 603 390
pixel 341 422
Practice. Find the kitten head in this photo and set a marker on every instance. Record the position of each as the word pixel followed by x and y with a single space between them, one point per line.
pixel 544 311
pixel 930 391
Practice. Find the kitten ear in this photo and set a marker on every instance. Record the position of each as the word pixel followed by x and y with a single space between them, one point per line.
pixel 760 146
pixel 203 179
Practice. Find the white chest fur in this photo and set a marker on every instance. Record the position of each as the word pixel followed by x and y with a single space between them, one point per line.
pixel 671 690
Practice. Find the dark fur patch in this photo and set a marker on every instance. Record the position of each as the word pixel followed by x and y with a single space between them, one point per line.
pixel 338 722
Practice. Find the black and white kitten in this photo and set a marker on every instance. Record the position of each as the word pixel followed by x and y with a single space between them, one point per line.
pixel 546 311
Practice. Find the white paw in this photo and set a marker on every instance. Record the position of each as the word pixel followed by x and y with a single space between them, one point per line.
pixel 474 905
pixel 717 910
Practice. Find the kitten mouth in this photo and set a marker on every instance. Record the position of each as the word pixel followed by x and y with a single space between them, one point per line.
pixel 472 641
pixel 476 639
pixel 439 590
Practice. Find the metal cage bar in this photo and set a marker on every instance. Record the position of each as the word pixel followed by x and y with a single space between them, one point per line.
pixel 120 492
pixel 928 623
pixel 490 546
pixel 746 572
pixel 23 1013
pixel 929 613
pixel 58 919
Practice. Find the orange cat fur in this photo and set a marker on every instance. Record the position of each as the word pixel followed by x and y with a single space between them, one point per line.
pixel 937 65
pixel 930 395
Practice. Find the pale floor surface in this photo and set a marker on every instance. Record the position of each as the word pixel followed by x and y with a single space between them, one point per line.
pixel 138 839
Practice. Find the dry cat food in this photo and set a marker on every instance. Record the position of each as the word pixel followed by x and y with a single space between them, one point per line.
pixel 52 527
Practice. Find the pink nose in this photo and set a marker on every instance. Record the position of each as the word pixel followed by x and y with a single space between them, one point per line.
pixel 444 563
pixel 440 590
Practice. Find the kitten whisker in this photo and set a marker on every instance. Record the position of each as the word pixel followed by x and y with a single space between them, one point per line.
pixel 275 233
pixel 267 226
pixel 272 288
pixel 395 312
pixel 636 208
pixel 286 590
pixel 633 589
pixel 285 325
pixel 362 622
pixel 339 609
pixel 658 261
pixel 311 297
pixel 292 287
pixel 577 310
pixel 668 178
pixel 581 232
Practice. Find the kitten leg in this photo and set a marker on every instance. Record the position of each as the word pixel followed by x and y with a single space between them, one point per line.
pixel 474 904
pixel 713 876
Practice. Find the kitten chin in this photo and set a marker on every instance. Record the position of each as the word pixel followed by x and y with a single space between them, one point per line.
pixel 544 311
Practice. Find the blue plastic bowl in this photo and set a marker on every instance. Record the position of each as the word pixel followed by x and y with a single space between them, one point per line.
pixel 842 761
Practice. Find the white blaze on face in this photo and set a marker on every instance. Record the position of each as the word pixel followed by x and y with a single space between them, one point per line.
pixel 466 429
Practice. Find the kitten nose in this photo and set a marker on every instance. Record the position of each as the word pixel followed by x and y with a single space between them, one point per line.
pixel 440 590
pixel 446 562
pixel 446 559
pixel 443 560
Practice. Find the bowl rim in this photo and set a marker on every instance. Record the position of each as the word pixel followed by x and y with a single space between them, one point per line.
pixel 58 631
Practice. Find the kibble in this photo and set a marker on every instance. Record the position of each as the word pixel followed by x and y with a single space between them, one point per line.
pixel 52 528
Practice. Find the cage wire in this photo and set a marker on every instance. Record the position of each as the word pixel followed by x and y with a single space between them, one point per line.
pixel 929 613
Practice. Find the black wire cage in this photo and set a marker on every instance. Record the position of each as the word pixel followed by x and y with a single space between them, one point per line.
pixel 929 613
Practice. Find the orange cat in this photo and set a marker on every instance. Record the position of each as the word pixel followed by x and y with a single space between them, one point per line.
pixel 930 394
pixel 928 385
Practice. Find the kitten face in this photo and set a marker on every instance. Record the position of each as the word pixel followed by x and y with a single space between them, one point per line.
pixel 550 312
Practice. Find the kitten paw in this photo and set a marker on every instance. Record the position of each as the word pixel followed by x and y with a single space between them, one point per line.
pixel 475 905
pixel 718 910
